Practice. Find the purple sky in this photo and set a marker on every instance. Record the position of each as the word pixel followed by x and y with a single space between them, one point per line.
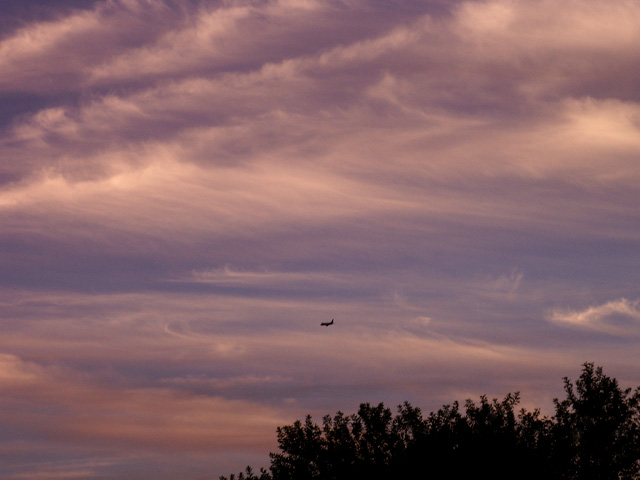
pixel 188 188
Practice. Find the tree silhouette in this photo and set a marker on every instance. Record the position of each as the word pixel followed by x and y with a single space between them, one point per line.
pixel 596 431
pixel 594 435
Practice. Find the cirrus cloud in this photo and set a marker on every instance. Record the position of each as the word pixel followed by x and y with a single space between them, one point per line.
pixel 617 317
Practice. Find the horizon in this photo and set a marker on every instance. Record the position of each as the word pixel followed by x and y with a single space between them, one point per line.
pixel 189 188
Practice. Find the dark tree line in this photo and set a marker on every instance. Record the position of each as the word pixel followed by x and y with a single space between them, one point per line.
pixel 593 435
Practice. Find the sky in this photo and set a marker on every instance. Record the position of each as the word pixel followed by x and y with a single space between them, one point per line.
pixel 188 188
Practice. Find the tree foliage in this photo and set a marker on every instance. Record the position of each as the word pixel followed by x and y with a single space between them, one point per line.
pixel 593 435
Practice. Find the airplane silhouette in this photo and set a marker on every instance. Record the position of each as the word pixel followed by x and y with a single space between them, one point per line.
pixel 326 324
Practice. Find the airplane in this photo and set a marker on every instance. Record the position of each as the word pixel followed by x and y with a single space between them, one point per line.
pixel 326 324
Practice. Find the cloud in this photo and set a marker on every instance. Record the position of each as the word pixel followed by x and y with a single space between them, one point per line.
pixel 520 25
pixel 214 350
pixel 393 95
pixel 53 55
pixel 617 317
pixel 506 284
pixel 518 37
pixel 139 417
pixel 54 471
pixel 269 280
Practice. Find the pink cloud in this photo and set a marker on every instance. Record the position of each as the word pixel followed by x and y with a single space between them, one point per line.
pixel 140 417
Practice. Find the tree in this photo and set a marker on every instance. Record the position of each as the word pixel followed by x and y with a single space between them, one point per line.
pixel 303 448
pixel 596 430
pixel 594 435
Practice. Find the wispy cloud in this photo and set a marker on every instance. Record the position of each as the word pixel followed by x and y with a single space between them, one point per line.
pixel 617 317
pixel 151 417
pixel 53 55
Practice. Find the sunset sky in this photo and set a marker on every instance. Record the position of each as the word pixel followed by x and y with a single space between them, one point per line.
pixel 189 187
